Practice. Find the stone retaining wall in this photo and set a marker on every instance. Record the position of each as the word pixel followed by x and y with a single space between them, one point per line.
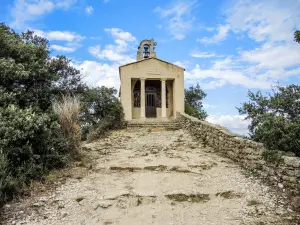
pixel 282 171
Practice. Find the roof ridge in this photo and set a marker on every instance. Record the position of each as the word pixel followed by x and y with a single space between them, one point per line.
pixel 149 59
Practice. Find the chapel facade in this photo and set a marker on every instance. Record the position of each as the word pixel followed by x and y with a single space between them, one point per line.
pixel 151 88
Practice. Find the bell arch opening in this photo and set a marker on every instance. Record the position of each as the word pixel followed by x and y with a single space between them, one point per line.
pixel 137 94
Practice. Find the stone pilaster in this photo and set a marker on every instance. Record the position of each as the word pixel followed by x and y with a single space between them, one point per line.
pixel 163 99
pixel 143 98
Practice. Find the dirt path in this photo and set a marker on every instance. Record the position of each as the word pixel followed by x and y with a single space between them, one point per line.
pixel 160 177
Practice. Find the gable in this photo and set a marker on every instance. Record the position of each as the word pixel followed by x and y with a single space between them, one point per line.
pixel 150 61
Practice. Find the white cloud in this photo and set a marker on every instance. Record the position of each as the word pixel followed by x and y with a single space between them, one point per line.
pixel 120 51
pixel 261 70
pixel 184 64
pixel 99 74
pixel 198 54
pixel 271 25
pixel 179 18
pixel 210 29
pixel 24 11
pixel 216 77
pixel 208 106
pixel 89 10
pixel 235 123
pixel 228 63
pixel 222 32
pixel 107 74
pixel 106 1
pixel 179 63
pixel 63 48
pixel 73 39
pixel 118 33
pixel 59 35
pixel 270 20
pixel 274 56
pixel 111 53
pixel 64 4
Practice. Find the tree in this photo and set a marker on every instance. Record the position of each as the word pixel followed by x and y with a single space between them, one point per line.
pixel 30 136
pixel 275 118
pixel 297 36
pixel 193 102
pixel 101 111
pixel 30 74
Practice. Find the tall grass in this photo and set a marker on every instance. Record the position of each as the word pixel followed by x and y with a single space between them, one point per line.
pixel 67 109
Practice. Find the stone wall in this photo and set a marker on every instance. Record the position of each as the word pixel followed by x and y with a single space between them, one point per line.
pixel 282 171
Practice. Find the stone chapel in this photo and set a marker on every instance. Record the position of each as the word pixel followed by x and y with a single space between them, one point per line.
pixel 151 87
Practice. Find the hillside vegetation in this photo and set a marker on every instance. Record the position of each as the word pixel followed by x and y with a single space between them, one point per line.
pixel 275 117
pixel 45 109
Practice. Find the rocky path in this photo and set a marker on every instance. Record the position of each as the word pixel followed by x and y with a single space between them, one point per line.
pixel 141 177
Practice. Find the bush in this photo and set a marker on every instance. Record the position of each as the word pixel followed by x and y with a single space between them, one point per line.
pixel 31 139
pixel 275 118
pixel 7 183
pixel 201 115
pixel 34 139
pixel 193 102
pixel 67 109
pixel 30 145
pixel 273 157
pixel 102 111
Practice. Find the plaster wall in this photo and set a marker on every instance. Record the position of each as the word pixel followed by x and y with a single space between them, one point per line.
pixel 136 113
pixel 153 69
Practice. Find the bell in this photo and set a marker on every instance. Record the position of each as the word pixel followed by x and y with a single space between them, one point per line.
pixel 146 52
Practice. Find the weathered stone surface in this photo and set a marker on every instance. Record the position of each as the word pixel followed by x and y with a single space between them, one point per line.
pixel 291 161
pixel 296 203
pixel 103 204
pixel 182 182
pixel 291 173
pixel 246 152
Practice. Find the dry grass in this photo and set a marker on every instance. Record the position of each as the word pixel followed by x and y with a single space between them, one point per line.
pixel 68 109
pixel 253 202
pixel 229 194
pixel 195 198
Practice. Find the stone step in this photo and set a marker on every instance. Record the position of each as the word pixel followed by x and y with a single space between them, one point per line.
pixel 150 124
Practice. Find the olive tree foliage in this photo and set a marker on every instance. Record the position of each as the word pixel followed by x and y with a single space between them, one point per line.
pixel 275 118
pixel 30 74
pixel 38 123
pixel 30 79
pixel 193 102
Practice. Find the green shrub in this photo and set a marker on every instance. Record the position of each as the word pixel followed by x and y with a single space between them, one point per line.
pixel 102 111
pixel 201 115
pixel 275 118
pixel 189 109
pixel 30 145
pixel 31 139
pixel 193 102
pixel 272 156
pixel 7 183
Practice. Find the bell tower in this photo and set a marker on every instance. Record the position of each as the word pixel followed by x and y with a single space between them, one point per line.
pixel 146 50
